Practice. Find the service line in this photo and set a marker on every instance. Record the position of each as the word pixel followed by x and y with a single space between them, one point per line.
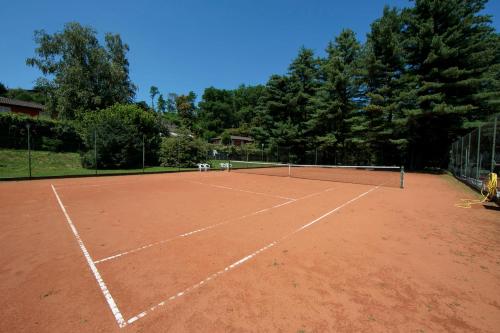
pixel 190 233
pixel 240 190
pixel 104 289
pixel 246 258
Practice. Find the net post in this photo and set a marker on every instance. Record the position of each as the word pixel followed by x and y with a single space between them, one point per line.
pixel 289 170
pixel 29 150
pixel 402 177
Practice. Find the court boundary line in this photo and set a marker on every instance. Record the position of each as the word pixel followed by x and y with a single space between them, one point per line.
pixel 97 275
pixel 240 190
pixel 245 259
pixel 189 233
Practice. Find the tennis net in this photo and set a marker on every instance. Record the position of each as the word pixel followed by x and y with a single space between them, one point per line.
pixel 391 176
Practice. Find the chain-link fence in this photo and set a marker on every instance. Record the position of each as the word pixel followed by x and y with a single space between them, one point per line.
pixel 475 155
pixel 285 154
pixel 28 153
pixel 31 152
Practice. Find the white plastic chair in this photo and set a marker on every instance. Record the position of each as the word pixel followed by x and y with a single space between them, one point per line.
pixel 203 166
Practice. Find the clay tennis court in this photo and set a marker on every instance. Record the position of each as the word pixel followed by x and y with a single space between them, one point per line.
pixel 225 251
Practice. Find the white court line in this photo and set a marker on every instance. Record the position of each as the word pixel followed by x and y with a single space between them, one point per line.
pixel 240 190
pixel 245 259
pixel 207 228
pixel 96 184
pixel 104 289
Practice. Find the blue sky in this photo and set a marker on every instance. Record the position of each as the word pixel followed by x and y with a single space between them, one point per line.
pixel 180 46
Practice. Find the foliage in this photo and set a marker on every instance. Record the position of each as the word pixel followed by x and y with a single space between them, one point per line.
pixel 81 74
pixel 35 95
pixel 183 151
pixel 424 76
pixel 186 109
pixel 221 109
pixel 171 103
pixel 216 111
pixel 119 132
pixel 3 89
pixel 153 91
pixel 45 134
pixel 143 105
pixel 383 76
pixel 451 51
pixel 162 104
pixel 225 138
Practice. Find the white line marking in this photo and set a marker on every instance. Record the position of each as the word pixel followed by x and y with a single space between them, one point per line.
pixel 240 190
pixel 246 258
pixel 96 184
pixel 104 289
pixel 190 233
pixel 207 228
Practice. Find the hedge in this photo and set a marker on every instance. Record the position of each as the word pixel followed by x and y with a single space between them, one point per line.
pixel 45 134
pixel 119 132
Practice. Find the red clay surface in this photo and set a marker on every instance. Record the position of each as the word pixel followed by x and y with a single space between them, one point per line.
pixel 225 252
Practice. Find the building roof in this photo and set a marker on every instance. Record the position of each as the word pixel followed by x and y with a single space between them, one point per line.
pixel 16 102
pixel 235 137
pixel 245 138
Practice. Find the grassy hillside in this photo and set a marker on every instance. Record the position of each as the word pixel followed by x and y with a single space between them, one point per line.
pixel 14 163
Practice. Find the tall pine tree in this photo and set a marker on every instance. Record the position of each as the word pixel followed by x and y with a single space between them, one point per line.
pixel 383 70
pixel 451 50
pixel 338 101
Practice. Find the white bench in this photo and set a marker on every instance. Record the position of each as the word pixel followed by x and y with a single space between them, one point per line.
pixel 203 166
pixel 225 166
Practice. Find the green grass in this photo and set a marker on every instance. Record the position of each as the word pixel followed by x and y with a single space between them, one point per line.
pixel 14 163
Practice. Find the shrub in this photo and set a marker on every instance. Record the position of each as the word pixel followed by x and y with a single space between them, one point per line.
pixel 225 138
pixel 119 131
pixel 183 151
pixel 45 134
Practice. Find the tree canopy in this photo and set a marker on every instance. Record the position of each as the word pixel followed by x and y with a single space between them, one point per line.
pixel 80 74
pixel 424 76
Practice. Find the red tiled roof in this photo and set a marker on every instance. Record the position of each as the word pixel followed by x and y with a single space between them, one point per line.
pixel 9 101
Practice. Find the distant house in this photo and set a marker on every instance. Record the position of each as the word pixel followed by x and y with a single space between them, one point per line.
pixel 17 106
pixel 235 140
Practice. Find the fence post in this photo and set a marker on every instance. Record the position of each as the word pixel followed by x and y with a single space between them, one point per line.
pixel 478 166
pixel 143 153
pixel 461 156
pixel 467 172
pixel 95 150
pixel 178 148
pixel 493 144
pixel 28 126
pixel 316 156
